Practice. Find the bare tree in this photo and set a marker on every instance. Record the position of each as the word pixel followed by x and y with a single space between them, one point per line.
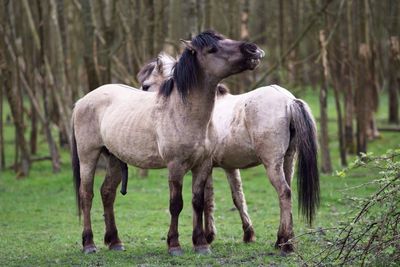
pixel 14 96
pixel 394 79
pixel 88 56
pixel 326 165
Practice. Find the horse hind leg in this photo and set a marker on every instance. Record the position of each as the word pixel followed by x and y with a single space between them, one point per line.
pixel 108 193
pixel 87 169
pixel 239 200
pixel 288 165
pixel 277 178
pixel 201 174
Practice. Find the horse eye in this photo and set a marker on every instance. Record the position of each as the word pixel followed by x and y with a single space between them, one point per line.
pixel 145 87
pixel 212 50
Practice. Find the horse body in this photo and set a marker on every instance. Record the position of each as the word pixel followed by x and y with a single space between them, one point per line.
pixel 114 112
pixel 247 123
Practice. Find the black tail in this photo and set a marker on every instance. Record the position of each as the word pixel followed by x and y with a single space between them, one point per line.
pixel 307 169
pixel 76 170
pixel 124 170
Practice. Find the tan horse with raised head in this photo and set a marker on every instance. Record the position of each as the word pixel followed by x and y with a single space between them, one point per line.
pixel 265 126
pixel 171 128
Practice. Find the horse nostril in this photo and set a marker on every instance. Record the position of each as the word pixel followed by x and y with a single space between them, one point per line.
pixel 145 87
pixel 249 49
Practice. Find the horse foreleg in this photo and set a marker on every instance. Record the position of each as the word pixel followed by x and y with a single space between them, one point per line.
pixel 239 200
pixel 175 178
pixel 277 177
pixel 200 175
pixel 108 193
pixel 209 223
pixel 87 170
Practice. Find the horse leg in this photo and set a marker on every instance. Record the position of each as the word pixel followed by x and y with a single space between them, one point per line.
pixel 209 223
pixel 277 177
pixel 239 200
pixel 87 169
pixel 175 178
pixel 200 175
pixel 288 166
pixel 108 192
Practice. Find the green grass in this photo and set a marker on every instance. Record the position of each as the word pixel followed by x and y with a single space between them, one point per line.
pixel 39 226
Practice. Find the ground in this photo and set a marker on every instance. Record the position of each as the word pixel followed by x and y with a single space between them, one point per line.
pixel 39 224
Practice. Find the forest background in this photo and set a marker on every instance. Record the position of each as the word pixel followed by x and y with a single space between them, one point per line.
pixel 343 56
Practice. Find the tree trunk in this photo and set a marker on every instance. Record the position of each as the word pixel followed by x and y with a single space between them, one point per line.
pixel 149 33
pixel 2 154
pixel 159 32
pixel 88 55
pixel 3 73
pixel 208 19
pixel 60 79
pixel 342 145
pixel 326 165
pixel 14 97
pixel 393 85
pixel 362 94
pixel 55 157
pixel 349 89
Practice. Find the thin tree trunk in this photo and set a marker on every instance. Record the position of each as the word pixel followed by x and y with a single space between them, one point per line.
pixel 342 145
pixel 60 78
pixel 55 157
pixel 14 97
pixel 2 154
pixel 192 19
pixel 88 56
pixel 393 85
pixel 362 94
pixel 350 88
pixel 3 73
pixel 326 165
pixel 159 31
pixel 149 33
pixel 208 19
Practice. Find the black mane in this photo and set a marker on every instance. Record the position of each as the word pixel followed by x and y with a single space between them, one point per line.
pixel 187 69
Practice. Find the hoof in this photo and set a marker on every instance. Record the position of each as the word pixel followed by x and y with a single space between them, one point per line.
pixel 90 249
pixel 249 236
pixel 210 237
pixel 175 251
pixel 202 250
pixel 117 247
pixel 285 248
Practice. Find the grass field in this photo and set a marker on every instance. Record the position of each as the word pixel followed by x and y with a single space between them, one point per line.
pixel 39 226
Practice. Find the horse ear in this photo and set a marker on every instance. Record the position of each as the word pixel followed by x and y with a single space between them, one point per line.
pixel 159 65
pixel 188 45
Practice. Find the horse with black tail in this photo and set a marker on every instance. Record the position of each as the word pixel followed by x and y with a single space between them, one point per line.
pixel 266 126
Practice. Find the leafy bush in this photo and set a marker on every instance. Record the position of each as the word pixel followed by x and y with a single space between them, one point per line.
pixel 372 235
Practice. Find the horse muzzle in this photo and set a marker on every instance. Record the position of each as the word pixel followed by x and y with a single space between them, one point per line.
pixel 253 55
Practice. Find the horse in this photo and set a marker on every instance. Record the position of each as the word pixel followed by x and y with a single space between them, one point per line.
pixel 171 128
pixel 266 126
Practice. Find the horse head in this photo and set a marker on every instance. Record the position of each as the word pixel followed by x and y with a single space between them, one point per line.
pixel 208 56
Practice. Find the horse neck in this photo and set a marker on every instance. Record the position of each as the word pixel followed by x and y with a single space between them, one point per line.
pixel 198 105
